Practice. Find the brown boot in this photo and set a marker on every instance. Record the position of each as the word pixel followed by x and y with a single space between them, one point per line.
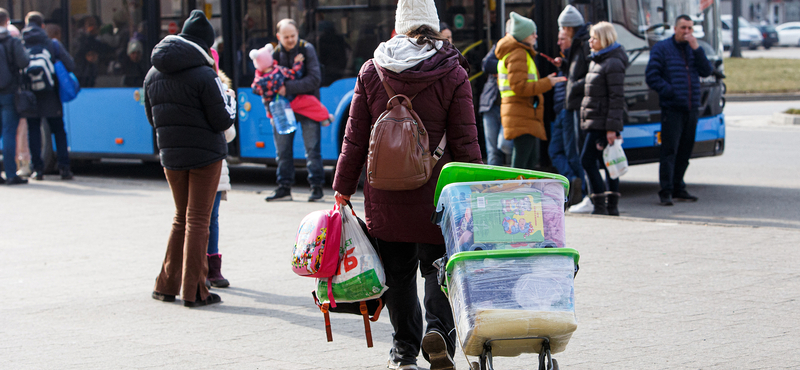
pixel 215 277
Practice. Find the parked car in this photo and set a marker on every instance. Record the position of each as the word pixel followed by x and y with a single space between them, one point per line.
pixel 749 36
pixel 769 34
pixel 789 34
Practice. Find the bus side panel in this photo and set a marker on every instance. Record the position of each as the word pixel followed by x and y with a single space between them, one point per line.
pixel 641 141
pixel 108 121
pixel 255 129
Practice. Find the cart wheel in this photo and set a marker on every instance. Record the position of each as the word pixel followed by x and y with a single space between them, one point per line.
pixel 474 366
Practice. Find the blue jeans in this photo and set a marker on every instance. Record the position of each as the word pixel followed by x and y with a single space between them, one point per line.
pixel 35 141
pixel 10 121
pixel 678 130
pixel 491 129
pixel 563 149
pixel 592 160
pixel 213 227
pixel 285 154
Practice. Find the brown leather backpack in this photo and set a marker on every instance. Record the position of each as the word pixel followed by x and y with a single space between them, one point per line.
pixel 399 158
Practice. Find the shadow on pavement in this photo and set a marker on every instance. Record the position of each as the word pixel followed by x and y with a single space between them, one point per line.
pixel 721 204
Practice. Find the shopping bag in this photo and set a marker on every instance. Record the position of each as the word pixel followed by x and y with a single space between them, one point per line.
pixel 615 160
pixel 360 275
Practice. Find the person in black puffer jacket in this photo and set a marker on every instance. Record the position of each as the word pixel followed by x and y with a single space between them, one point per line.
pixel 190 109
pixel 602 112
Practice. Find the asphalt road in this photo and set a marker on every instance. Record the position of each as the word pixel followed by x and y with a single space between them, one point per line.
pixel 755 182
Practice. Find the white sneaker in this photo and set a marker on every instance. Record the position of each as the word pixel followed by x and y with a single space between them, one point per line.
pixel 394 366
pixel 585 206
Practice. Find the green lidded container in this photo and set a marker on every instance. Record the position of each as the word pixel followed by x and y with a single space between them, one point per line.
pixel 454 172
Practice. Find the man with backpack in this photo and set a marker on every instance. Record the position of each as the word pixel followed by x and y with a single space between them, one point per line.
pixel 40 77
pixel 13 58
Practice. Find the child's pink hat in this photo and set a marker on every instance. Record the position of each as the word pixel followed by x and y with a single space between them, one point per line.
pixel 262 58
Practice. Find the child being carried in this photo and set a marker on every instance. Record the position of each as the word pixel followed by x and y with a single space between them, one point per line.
pixel 270 77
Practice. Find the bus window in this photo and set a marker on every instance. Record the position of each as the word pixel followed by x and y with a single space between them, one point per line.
pixel 107 43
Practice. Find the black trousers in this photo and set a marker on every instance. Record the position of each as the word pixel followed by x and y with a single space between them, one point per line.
pixel 678 130
pixel 400 260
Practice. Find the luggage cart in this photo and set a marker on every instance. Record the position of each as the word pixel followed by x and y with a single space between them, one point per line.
pixel 505 293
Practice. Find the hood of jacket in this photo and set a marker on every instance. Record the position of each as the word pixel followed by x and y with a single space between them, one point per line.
pixel 426 71
pixel 34 35
pixel 175 54
pixel 4 33
pixel 615 50
pixel 402 52
pixel 508 44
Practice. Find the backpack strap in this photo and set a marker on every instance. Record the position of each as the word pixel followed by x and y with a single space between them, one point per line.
pixel 386 86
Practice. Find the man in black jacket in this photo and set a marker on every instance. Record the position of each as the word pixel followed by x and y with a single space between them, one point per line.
pixel 290 46
pixel 577 57
pixel 190 109
pixel 14 59
pixel 48 101
pixel 674 70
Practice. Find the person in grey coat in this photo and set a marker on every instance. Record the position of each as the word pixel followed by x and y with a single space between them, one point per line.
pixel 15 58
pixel 48 102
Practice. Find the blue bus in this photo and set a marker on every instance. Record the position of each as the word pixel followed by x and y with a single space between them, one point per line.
pixel 112 39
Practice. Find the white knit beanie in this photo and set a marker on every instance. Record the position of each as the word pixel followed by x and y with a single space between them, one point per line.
pixel 414 13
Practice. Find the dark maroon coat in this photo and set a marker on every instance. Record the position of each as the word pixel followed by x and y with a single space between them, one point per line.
pixel 444 102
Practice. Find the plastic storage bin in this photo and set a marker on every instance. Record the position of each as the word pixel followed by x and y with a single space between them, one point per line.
pixel 493 215
pixel 507 294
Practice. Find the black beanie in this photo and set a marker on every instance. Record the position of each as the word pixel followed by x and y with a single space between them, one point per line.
pixel 198 28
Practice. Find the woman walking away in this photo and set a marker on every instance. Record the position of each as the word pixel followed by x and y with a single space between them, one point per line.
pixel 417 62
pixel 185 102
pixel 522 106
pixel 601 113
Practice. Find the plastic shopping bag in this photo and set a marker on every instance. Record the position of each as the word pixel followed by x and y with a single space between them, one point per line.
pixel 615 160
pixel 360 275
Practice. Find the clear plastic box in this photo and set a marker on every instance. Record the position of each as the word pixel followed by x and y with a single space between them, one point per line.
pixel 492 215
pixel 513 294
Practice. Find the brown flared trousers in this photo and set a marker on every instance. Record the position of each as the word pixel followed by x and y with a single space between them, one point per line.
pixel 185 266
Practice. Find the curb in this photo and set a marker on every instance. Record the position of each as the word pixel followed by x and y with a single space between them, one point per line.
pixel 761 97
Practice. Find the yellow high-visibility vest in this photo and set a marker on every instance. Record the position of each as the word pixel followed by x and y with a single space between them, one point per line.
pixel 502 75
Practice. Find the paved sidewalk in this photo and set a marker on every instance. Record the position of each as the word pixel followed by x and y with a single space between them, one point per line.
pixel 80 259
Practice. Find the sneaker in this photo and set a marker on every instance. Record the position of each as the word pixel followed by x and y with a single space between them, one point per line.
pixel 281 193
pixel 163 297
pixel 666 199
pixel 316 193
pixel 16 180
pixel 37 175
pixel 24 170
pixel 585 206
pixel 395 366
pixel 684 196
pixel 434 345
